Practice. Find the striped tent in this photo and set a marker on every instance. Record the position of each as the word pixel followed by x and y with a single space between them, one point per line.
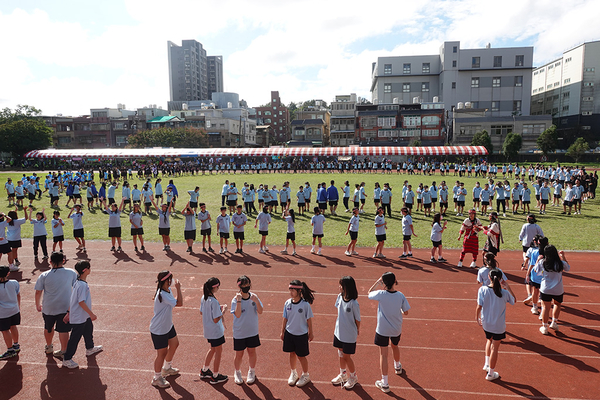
pixel 261 152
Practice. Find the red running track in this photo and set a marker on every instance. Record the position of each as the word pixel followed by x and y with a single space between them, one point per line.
pixel 441 347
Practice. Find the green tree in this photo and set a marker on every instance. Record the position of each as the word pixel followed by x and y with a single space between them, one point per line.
pixel 22 130
pixel 169 137
pixel 415 143
pixel 578 149
pixel 548 140
pixel 512 144
pixel 483 139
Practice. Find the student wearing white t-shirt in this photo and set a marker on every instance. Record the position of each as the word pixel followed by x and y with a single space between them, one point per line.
pixel 407 232
pixel 297 330
pixel 213 330
pixel 162 330
pixel 137 229
pixel 390 311
pixel 353 231
pixel 189 229
pixel 489 264
pixel 290 219
pixel 551 268
pixel 239 220
pixel 437 228
pixel 10 314
pixel 223 224
pixel 39 232
pixel 263 219
pixel 245 307
pixel 13 234
pixel 164 223
pixel 205 227
pixel 347 327
pixel 491 315
pixel 58 235
pixel 380 236
pixel 78 232
pixel 114 224
pixel 317 222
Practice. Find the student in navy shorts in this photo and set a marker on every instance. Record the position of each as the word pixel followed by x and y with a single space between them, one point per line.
pixel 212 323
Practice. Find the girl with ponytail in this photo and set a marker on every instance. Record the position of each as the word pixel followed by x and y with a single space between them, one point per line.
pixel 489 264
pixel 551 268
pixel 162 329
pixel 297 330
pixel 214 330
pixel 491 315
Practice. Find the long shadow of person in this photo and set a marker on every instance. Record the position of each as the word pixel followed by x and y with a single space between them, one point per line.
pixel 417 387
pixel 11 375
pixel 525 391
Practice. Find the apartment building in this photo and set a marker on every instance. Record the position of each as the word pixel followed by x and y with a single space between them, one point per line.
pixel 343 120
pixel 277 116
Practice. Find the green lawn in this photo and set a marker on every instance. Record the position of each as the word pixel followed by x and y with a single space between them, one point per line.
pixel 575 232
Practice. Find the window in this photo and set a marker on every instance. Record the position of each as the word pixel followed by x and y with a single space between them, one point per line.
pixel 501 129
pixel 549 86
pixel 280 112
pixel 426 68
pixel 425 87
pixel 474 82
pixel 275 108
pixel 387 88
pixel 566 94
pixel 568 59
pixel 588 84
pixel 517 105
pixel 267 121
pixel 583 113
pixel 588 98
pixel 519 61
pixel 430 120
pixel 495 105
pixel 591 69
pixel 368 122
pixel 406 88
pixel 470 129
pixel 453 85
pixel 260 113
pixel 454 49
pixel 567 81
pixel 496 81
pixel 475 62
pixel 453 63
pixel 412 120
pixel 387 69
pixel 474 104
pixel 565 108
pixel 119 126
pixel 497 61
pixel 274 100
pixel 388 133
pixel 386 122
pixel 121 139
pixel 556 64
pixel 406 68
pixel 518 81
pixel 99 114
pixel 100 127
pixel 531 129
pixel 430 132
pixel 535 90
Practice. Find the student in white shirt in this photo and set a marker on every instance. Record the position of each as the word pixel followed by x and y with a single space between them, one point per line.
pixel 290 219
pixel 380 235
pixel 57 231
pixel 353 231
pixel 223 224
pixel 205 228
pixel 347 328
pixel 245 307
pixel 263 220
pixel 297 330
pixel 10 313
pixel 39 232
pixel 551 268
pixel 317 222
pixel 407 232
pixel 213 330
pixel 162 330
pixel 491 315
pixel 390 311
pixel 114 224
pixel 189 230
pixel 137 229
pixel 164 222
pixel 436 237
pixel 239 220
pixel 78 232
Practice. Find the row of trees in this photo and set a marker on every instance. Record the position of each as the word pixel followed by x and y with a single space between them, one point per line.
pixel 547 142
pixel 22 130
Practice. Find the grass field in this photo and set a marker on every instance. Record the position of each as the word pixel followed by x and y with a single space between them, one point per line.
pixel 575 232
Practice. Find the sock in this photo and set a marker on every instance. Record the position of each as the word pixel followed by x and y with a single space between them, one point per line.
pixel 167 364
pixel 238 370
pixel 251 370
pixel 342 371
pixel 554 321
pixel 205 368
pixel 487 360
pixel 319 249
pixel 397 364
pixel 157 375
pixel 215 374
pixel 313 246
pixel 384 380
pixel 353 374
pixel 491 371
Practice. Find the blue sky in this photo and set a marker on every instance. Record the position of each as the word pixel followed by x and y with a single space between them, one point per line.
pixel 69 56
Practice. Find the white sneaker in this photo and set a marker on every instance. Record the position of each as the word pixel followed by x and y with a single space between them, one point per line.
pixel 93 350
pixel 382 387
pixel 70 364
pixel 543 330
pixel 486 367
pixel 251 377
pixel 312 251
pixel 554 325
pixel 266 248
pixel 237 377
pixel 473 264
pixel 490 377
pixel 261 251
pixel 535 311
pixel 351 382
pixel 304 379
pixel 49 348
pixel 13 268
pixel 347 253
pixel 340 379
pixel 221 251
pixel 354 253
pixel 459 265
pixel 294 253
pixel 169 372
pixel 319 252
pixel 293 378
pixel 527 301
pixel 160 382
pixel 284 252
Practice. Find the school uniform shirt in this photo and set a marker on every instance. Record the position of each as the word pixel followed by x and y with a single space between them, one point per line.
pixel 533 254
pixel 389 311
pixel 377 194
pixel 125 193
pixel 460 195
pixel 410 197
pixel 552 282
pixel 528 232
pixel 39 228
pixel 203 216
pixel 193 196
pixel 81 292
pixel 147 196
pixel 544 193
pixel 232 194
pixel 57 285
pixel 135 218
pixel 13 232
pixel 190 222
pixel 380 220
pixel 317 222
pixel 526 194
pixel 223 223
pixel 434 192
pixel 210 310
pixel 301 196
pixel 443 195
pixel 114 219
pixel 345 324
pixel 426 197
pixel 354 221
pixel 493 311
pixel 356 197
pixel 476 192
pixel 283 195
pixel 386 196
pixel 19 190
pixel 136 194
pixel 483 276
pixel 57 227
pixel 111 191
pixel 247 324
pixel 162 321
pixel 557 188
pixel 436 232
pixel 290 224
pixel 239 219
pixel 308 190
pixel 297 316
pixel 569 194
pixel 9 305
pixel 346 191
pixel 363 195
pixel 163 218
pixel 273 193
pixel 77 220
pixel 10 187
pixel 225 189
pixel 485 195
pixel 406 223
pixel 515 193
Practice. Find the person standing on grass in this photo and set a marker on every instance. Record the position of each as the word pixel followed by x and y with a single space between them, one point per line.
pixel 194 194
pixel 545 197
pixel 356 196
pixel 189 230
pixel 300 195
pixel 213 330
pixel 297 330
pixel 290 218
pixel 551 268
pixel 239 220
pixel 57 231
pixel 392 306
pixel 55 285
pixel 426 199
pixel 353 231
pixel 80 317
pixel 114 224
pixel 148 199
pixel 164 223
pixel 224 191
pixel 205 227
pixel 10 313
pixel 232 197
pixel 162 330
pixel 346 198
pixel 317 221
pixel 173 189
pixel 137 229
pixel 443 198
pixel 347 329
pixel 245 307
pixel 380 236
pixel 333 197
pixel 386 199
pixel 363 197
pixel 491 315
pixel 436 237
pixel 407 231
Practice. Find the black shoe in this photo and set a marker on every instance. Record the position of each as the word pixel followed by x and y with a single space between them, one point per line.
pixel 142 248
pixel 206 374
pixel 204 250
pixel 211 250
pixel 219 379
pixel 409 255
